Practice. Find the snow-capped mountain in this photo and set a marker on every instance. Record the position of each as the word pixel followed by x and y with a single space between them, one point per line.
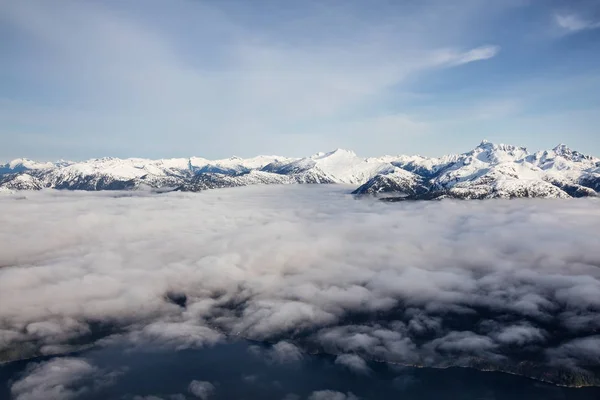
pixel 339 166
pixel 488 171
pixel 499 171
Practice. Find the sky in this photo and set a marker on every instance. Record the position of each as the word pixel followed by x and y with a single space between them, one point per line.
pixel 157 79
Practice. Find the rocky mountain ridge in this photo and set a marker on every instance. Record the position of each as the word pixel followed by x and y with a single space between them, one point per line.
pixel 488 171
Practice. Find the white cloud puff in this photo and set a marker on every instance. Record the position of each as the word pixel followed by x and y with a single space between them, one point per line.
pixel 60 378
pixel 201 389
pixel 331 395
pixel 353 362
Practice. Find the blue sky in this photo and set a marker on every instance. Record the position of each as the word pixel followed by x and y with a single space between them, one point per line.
pixel 132 78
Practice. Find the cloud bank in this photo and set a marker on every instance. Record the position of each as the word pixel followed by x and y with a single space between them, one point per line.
pixel 425 283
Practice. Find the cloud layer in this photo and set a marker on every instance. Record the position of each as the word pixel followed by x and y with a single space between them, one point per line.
pixel 426 283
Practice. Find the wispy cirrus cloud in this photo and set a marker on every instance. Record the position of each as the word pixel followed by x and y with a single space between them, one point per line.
pixel 455 58
pixel 574 22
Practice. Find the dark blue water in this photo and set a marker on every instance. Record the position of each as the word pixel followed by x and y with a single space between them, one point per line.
pixel 239 373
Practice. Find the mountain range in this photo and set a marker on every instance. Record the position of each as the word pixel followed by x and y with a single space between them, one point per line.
pixel 488 171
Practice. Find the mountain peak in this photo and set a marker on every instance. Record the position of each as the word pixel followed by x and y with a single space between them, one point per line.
pixel 562 149
pixel 566 152
pixel 335 153
pixel 20 161
pixel 489 166
pixel 341 152
pixel 486 145
pixel 489 146
pixel 26 163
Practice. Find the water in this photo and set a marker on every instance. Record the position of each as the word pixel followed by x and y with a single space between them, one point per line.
pixel 240 370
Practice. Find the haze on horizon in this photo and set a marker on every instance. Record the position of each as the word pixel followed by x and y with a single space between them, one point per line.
pixel 84 79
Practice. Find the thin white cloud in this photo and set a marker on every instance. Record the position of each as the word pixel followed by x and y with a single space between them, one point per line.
pixel 478 54
pixel 574 22
pixel 454 58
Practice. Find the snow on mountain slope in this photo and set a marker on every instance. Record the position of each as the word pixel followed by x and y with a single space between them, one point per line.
pixel 338 166
pixel 489 170
pixel 22 181
pixel 397 181
pixel 502 171
pixel 562 164
pixel 126 169
pixel 114 174
pixel 206 181
pixel 118 174
pixel 480 161
pixel 505 181
pixel 236 165
pixel 24 164
pixel 345 166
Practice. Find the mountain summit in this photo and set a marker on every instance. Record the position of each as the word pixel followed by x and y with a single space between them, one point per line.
pixel 488 171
